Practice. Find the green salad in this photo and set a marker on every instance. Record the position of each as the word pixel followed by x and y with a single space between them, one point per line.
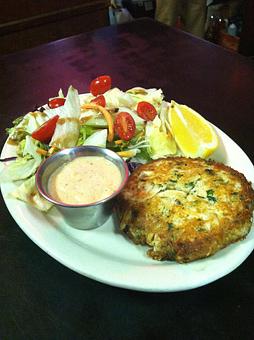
pixel 133 123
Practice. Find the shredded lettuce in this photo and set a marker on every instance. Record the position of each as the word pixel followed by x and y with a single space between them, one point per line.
pixel 82 135
pixel 15 122
pixel 142 156
pixel 20 148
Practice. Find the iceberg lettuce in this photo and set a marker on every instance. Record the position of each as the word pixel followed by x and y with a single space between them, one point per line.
pixel 116 98
pixel 19 169
pixel 30 148
pixel 25 166
pixel 161 143
pixel 138 120
pixel 152 96
pixel 28 193
pixel 30 122
pixel 67 128
pixel 98 138
pixel 97 122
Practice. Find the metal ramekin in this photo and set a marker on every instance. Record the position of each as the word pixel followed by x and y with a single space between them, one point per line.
pixel 86 216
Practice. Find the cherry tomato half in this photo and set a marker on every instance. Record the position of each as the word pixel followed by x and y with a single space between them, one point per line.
pixel 100 100
pixel 124 125
pixel 46 130
pixel 146 111
pixel 56 102
pixel 100 85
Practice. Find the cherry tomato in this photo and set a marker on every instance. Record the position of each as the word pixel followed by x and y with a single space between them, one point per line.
pixel 46 130
pixel 56 102
pixel 124 125
pixel 100 85
pixel 146 111
pixel 100 100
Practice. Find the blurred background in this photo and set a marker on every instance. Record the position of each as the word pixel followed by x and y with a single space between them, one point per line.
pixel 28 23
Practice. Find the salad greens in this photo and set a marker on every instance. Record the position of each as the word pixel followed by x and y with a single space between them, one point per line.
pixel 78 126
pixel 67 128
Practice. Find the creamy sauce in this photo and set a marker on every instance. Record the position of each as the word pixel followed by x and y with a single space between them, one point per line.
pixel 84 180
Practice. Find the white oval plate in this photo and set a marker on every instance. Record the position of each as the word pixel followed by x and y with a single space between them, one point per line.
pixel 106 255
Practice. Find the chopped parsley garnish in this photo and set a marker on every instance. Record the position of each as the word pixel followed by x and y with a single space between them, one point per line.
pixel 210 196
pixel 189 185
pixel 209 171
pixel 177 174
pixel 177 202
pixel 170 226
pixel 200 229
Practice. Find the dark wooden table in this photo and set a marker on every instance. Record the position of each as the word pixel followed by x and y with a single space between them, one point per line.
pixel 40 298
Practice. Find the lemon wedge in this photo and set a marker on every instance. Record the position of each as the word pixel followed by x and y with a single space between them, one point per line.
pixel 193 134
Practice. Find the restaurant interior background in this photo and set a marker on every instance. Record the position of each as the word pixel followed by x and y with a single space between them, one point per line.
pixel 29 23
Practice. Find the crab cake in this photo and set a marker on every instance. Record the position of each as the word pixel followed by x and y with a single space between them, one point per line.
pixel 185 209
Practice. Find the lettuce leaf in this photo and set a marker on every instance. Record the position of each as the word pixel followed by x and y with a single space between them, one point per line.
pixel 85 98
pixel 30 148
pixel 28 193
pixel 116 98
pixel 98 122
pixel 164 116
pixel 24 166
pixel 138 120
pixel 67 128
pixel 161 143
pixel 30 122
pixel 98 138
pixel 152 96
pixel 19 169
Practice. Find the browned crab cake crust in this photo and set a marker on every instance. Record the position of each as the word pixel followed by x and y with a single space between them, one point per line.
pixel 185 209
